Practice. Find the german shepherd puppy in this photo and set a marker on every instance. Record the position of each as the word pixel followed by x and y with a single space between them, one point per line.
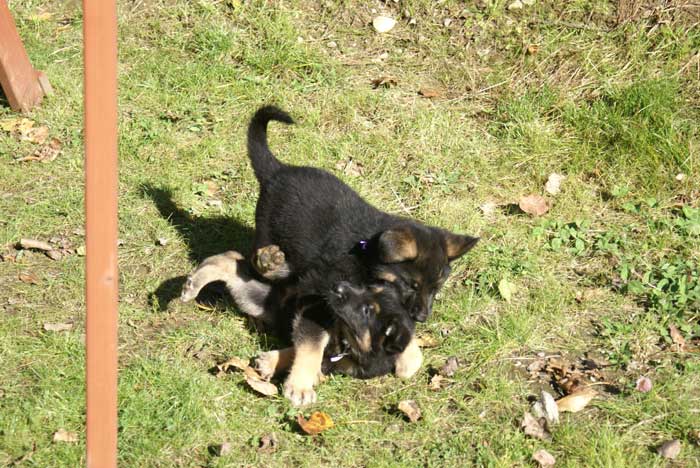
pixel 355 330
pixel 317 220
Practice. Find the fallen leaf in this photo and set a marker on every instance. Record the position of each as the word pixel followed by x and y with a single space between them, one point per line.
pixel 43 16
pixel 427 341
pixel 553 185
pixel 35 134
pixel 384 82
pixel 450 367
pixel 58 327
pixel 268 443
pixel 506 289
pixel 215 203
pixel 576 401
pixel 429 93
pixel 544 458
pixel 64 436
pixel 383 24
pixel 18 125
pixel 410 409
pixel 532 49
pixel 534 205
pixel 261 386
pixel 317 422
pixel 677 337
pixel 234 362
pixel 644 384
pixel 29 278
pixel 80 251
pixel 670 449
pixel 528 2
pixel 436 382
pixel 534 427
pixel 45 153
pixel 34 244
pixel 162 241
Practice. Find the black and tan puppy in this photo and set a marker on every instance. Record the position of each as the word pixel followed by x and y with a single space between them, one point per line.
pixel 355 330
pixel 320 222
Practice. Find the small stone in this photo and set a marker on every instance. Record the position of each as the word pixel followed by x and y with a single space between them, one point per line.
pixel 383 24
pixel 680 177
pixel 162 241
pixel 332 45
pixel 447 22
pixel 670 449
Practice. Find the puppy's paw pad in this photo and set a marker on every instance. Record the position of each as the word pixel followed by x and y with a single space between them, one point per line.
pixel 299 396
pixel 266 364
pixel 269 259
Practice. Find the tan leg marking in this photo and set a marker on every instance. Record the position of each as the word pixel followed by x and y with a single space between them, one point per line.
pixel 271 363
pixel 305 372
pixel 408 362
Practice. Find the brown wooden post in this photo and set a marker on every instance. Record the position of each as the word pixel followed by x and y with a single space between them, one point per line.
pixel 18 79
pixel 100 53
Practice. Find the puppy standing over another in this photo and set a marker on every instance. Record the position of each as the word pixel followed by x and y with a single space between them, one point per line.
pixel 318 221
pixel 364 331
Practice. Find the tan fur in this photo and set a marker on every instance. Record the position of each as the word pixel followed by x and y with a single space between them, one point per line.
pixel 400 246
pixel 271 363
pixel 409 361
pixel 386 276
pixel 305 371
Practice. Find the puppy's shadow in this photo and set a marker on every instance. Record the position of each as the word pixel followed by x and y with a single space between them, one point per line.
pixel 204 236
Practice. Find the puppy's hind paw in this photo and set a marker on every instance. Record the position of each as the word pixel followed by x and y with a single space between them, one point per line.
pixel 270 262
pixel 266 364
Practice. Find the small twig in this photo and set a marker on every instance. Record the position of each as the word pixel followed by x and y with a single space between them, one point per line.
pixel 34 244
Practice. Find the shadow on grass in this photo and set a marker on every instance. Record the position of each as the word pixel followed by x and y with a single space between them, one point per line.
pixel 204 237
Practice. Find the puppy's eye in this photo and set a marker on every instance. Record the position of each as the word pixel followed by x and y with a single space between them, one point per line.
pixel 368 309
pixel 415 285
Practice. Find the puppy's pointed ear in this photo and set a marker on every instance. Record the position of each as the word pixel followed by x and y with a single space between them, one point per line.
pixel 397 245
pixel 458 244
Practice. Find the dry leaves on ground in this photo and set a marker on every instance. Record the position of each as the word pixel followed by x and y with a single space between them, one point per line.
pixel 534 205
pixel 351 168
pixel 220 450
pixel 317 422
pixel 546 408
pixel 450 367
pixel 410 409
pixel 427 341
pixel 677 337
pixel 506 289
pixel 252 377
pixel 45 153
pixel 566 375
pixel 62 435
pixel 261 386
pixel 436 382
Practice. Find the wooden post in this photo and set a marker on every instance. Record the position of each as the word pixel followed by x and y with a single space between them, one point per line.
pixel 100 54
pixel 18 79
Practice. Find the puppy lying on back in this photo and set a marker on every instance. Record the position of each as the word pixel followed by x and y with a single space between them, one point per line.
pixel 355 330
pixel 317 220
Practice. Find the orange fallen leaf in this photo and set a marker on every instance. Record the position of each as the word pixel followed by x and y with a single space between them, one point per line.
pixel 317 422
pixel 534 205
pixel 235 362
pixel 35 134
pixel 29 278
pixel 427 341
pixel 429 92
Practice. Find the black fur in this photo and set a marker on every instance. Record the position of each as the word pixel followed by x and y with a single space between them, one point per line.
pixel 317 220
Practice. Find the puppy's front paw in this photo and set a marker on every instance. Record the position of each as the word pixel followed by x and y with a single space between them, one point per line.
pixel 266 364
pixel 299 393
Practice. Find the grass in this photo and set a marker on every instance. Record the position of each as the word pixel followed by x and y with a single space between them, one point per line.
pixel 607 270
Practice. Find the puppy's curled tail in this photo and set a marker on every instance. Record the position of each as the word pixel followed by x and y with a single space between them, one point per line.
pixel 265 164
